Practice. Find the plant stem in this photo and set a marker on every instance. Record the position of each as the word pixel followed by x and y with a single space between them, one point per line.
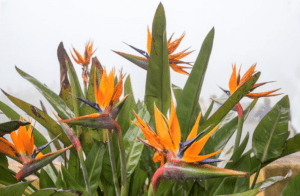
pixel 240 111
pixel 123 164
pixel 112 162
pixel 256 176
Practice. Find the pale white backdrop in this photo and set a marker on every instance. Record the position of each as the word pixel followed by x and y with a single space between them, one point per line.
pixel 246 32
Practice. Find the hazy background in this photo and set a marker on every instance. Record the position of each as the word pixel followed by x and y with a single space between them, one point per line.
pixel 262 32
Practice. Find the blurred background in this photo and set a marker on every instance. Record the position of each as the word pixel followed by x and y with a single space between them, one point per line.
pixel 262 32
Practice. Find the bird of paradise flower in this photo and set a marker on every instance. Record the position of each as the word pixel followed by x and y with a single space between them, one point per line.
pixel 174 59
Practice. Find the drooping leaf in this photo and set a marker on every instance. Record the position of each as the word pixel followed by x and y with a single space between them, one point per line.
pixel 10 126
pixel 41 117
pixel 56 102
pixel 186 106
pixel 292 145
pixel 158 74
pixel 38 163
pixel 133 147
pixel 271 133
pixel 292 187
pixel 15 189
pixel 39 139
pixel 94 165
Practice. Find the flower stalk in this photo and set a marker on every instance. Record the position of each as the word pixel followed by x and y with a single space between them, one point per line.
pixel 240 112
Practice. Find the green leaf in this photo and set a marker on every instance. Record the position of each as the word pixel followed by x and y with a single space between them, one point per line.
pixel 292 145
pixel 229 104
pixel 15 189
pixel 38 163
pixel 3 160
pixel 186 106
pixel 11 126
pixel 137 182
pixel 55 192
pixel 70 181
pixel 142 62
pixel 208 111
pixel 158 75
pixel 271 133
pixel 56 102
pixel 41 117
pixel 177 91
pixel 45 181
pixel 134 149
pixel 126 115
pixel 6 176
pixel 164 187
pixel 72 166
pixel 46 192
pixel 59 181
pixel 39 139
pixel 292 187
pixel 79 107
pixel 263 185
pixel 94 165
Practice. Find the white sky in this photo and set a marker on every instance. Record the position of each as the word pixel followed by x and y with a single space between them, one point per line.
pixel 246 32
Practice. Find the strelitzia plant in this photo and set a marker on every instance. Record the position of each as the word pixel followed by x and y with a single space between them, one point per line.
pixel 174 59
pixel 84 61
pixel 166 143
pixel 24 150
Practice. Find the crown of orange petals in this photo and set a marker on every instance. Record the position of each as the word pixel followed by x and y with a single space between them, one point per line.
pixel 174 59
pixel 106 93
pixel 235 82
pixel 88 53
pixel 166 143
pixel 23 145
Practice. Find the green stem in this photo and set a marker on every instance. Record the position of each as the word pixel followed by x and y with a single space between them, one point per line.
pixel 84 171
pixel 256 176
pixel 123 164
pixel 112 162
pixel 240 126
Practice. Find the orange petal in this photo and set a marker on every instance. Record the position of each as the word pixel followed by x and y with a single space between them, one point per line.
pixel 149 134
pixel 263 94
pixel 162 130
pixel 173 45
pixel 196 147
pixel 80 59
pixel 179 69
pixel 26 140
pixel 76 60
pixel 18 142
pixel 180 55
pixel 118 90
pixel 149 39
pixel 247 75
pixel 192 158
pixel 174 128
pixel 233 80
pixel 7 148
pixel 194 131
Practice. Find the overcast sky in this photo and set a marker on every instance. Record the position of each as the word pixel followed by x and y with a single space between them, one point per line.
pixel 246 32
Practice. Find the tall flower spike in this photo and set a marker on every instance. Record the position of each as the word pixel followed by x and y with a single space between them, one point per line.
pixel 174 59
pixel 236 81
pixel 85 60
pixel 167 144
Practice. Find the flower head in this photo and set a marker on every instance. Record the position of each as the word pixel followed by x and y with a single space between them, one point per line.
pixel 85 60
pixel 23 146
pixel 235 82
pixel 166 143
pixel 174 59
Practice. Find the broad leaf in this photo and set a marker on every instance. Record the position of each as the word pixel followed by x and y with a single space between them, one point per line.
pixel 15 189
pixel 70 181
pixel 6 176
pixel 187 103
pixel 45 181
pixel 55 192
pixel 158 75
pixel 94 165
pixel 292 187
pixel 271 133
pixel 133 148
